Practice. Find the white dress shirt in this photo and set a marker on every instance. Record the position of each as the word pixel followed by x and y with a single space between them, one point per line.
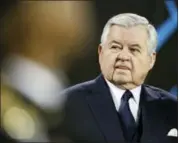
pixel 117 94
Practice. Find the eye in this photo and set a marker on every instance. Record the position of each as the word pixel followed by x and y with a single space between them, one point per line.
pixel 134 50
pixel 115 47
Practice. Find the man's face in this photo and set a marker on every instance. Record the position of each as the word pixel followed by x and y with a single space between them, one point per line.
pixel 124 57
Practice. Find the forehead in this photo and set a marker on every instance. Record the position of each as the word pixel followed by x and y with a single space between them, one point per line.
pixel 132 35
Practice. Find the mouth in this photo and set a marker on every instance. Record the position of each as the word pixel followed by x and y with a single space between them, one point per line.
pixel 122 67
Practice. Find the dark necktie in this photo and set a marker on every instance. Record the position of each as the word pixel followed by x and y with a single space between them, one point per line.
pixel 126 118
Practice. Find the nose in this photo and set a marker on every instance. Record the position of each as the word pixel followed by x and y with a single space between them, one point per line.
pixel 123 55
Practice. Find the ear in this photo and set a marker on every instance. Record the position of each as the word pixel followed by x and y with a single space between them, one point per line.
pixel 99 52
pixel 99 49
pixel 153 59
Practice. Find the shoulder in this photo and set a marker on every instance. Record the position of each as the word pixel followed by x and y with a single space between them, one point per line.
pixel 163 94
pixel 79 89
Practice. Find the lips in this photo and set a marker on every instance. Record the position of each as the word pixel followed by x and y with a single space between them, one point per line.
pixel 122 67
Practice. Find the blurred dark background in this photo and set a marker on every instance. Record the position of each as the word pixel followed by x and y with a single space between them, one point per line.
pixel 60 39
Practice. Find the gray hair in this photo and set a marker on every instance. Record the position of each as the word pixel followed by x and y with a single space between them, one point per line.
pixel 130 20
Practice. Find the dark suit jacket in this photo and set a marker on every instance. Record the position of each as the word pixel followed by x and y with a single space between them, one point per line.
pixel 91 117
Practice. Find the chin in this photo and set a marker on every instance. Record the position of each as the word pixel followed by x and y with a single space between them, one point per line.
pixel 121 80
pixel 122 77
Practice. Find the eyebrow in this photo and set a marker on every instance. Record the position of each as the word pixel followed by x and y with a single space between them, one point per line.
pixel 116 42
pixel 135 45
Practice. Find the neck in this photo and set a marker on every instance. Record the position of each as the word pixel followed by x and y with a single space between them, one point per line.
pixel 127 86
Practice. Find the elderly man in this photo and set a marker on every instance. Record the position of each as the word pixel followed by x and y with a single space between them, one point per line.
pixel 117 106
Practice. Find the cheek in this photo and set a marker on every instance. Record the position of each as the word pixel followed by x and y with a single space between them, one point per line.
pixel 107 62
pixel 140 66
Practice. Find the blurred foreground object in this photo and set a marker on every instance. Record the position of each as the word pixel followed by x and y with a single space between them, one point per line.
pixel 40 41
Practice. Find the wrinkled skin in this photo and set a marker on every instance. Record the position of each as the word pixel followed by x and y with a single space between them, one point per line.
pixel 124 57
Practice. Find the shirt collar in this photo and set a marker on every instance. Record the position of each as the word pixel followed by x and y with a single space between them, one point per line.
pixel 117 92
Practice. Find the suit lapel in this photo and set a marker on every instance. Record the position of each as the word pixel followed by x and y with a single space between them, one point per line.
pixel 152 119
pixel 104 111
